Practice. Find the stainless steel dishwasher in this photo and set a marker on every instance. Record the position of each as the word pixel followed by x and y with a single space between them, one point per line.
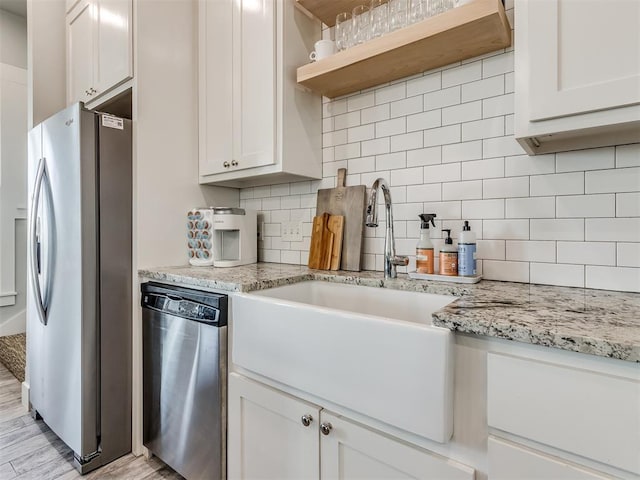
pixel 184 340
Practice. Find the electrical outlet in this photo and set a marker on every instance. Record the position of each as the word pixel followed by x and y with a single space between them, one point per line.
pixel 292 231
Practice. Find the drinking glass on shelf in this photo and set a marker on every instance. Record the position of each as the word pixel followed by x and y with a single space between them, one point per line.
pixel 379 18
pixel 416 11
pixel 344 28
pixel 397 14
pixel 361 24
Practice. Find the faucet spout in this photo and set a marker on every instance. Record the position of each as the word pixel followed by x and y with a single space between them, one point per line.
pixel 391 260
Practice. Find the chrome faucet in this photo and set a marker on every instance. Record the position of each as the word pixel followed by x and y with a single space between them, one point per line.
pixel 390 257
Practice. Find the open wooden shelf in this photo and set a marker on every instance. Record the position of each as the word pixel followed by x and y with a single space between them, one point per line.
pixel 473 29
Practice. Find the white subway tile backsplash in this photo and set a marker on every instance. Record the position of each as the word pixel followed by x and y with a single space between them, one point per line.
pixel 531 251
pixel 442 98
pixel 449 172
pixel 424 193
pixel 496 106
pixel 376 147
pixel 613 278
pixel 497 65
pixel 470 190
pixel 358 102
pixel 557 274
pixel 480 89
pixel 490 168
pixel 444 141
pixel 628 204
pixel 407 141
pixel 505 271
pixel 613 229
pixel 391 93
pixel 628 255
pixel 526 165
pixel 358 134
pixel 442 135
pixel 407 176
pixel 531 207
pixel 628 155
pixel 463 74
pixel 490 249
pixel 506 187
pixel 587 253
pixel 505 229
pixel 424 156
pixel 500 147
pixel 465 112
pixel 483 208
pixel 580 160
pixel 375 114
pixel 346 120
pixel 424 120
pixel 428 83
pixel 557 184
pixel 613 181
pixel 387 128
pixel 462 152
pixel 490 127
pixel 407 106
pixel 586 206
pixel 557 229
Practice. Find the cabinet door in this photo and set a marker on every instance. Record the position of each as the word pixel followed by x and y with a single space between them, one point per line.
pixel 267 438
pixel 351 451
pixel 254 82
pixel 114 63
pixel 80 52
pixel 585 56
pixel 508 461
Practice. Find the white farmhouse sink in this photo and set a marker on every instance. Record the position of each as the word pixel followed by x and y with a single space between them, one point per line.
pixel 370 350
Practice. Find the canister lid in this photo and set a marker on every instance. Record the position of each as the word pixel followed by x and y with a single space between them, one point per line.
pixel 228 211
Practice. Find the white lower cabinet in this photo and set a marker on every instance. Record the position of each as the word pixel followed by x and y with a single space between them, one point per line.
pixel 273 435
pixel 509 461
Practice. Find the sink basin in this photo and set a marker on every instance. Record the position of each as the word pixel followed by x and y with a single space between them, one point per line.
pixel 370 350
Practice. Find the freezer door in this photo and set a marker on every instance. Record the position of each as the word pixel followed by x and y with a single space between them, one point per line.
pixel 65 387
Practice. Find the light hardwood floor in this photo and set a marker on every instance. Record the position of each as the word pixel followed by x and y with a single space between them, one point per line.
pixel 29 450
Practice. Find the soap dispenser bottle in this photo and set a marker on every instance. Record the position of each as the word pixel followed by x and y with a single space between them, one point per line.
pixel 424 248
pixel 467 252
pixel 448 256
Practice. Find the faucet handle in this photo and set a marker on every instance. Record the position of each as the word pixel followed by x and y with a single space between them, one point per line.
pixel 400 260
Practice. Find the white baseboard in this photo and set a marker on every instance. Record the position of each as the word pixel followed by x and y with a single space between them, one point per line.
pixel 25 396
pixel 15 324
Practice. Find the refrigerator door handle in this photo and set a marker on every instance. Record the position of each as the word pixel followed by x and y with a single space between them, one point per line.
pixel 34 244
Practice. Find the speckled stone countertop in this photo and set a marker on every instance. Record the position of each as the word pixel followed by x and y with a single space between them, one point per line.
pixel 596 322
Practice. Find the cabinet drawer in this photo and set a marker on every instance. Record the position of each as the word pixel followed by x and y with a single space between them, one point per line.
pixel 580 411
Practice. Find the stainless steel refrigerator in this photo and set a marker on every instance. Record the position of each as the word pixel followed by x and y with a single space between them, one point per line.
pixel 79 288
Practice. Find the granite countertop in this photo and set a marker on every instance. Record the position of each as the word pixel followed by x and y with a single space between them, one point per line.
pixel 596 322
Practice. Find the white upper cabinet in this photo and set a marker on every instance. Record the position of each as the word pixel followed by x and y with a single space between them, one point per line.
pixel 99 48
pixel 256 126
pixel 577 73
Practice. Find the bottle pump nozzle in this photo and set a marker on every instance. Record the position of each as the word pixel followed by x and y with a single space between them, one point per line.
pixel 448 240
pixel 466 227
pixel 426 218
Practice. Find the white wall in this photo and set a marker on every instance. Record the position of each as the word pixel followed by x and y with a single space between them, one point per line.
pixel 46 58
pixel 444 141
pixel 13 39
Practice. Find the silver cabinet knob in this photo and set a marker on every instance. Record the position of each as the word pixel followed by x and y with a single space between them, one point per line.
pixel 234 163
pixel 326 428
pixel 306 420
pixel 226 165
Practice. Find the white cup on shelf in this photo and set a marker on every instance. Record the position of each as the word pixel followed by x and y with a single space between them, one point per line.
pixel 322 49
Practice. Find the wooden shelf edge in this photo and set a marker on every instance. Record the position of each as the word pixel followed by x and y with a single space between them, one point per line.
pixel 475 28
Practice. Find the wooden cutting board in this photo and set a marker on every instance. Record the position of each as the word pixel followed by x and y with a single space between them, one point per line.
pixel 350 203
pixel 326 242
